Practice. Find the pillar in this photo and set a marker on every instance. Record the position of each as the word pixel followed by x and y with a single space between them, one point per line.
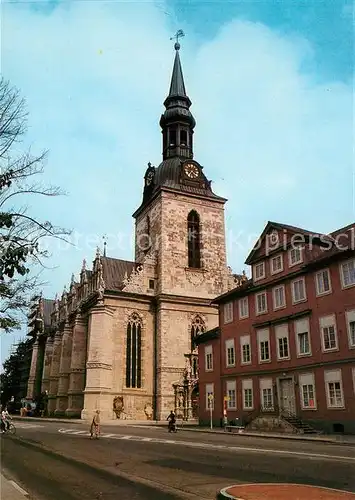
pixel 98 391
pixel 77 368
pixel 54 373
pixel 64 369
pixel 48 351
pixel 31 385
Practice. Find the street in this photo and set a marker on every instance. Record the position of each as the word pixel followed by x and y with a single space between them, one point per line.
pixel 54 460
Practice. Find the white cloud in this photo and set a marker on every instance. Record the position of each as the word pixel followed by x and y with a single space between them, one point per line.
pixel 276 140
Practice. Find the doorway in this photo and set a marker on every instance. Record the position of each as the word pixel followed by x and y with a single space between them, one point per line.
pixel 287 396
pixel 195 402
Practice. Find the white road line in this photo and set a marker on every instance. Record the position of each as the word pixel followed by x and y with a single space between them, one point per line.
pixel 193 444
pixel 27 426
pixel 18 488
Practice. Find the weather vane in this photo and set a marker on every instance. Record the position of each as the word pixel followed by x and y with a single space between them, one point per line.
pixel 178 34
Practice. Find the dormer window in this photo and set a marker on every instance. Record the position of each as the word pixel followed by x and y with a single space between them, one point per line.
pixel 259 271
pixel 277 264
pixel 295 256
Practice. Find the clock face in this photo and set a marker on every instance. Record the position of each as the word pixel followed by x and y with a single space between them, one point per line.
pixel 149 178
pixel 192 171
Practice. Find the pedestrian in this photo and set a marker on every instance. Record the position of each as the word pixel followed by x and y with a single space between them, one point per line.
pixel 95 425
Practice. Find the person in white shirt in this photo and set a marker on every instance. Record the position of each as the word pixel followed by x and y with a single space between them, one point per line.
pixel 5 419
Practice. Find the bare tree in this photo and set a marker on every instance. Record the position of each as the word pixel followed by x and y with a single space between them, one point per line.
pixel 21 234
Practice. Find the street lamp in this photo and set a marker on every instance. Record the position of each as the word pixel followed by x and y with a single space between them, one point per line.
pixel 210 399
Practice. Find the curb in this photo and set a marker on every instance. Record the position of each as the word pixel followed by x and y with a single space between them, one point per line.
pixel 271 436
pixel 292 492
pixel 223 494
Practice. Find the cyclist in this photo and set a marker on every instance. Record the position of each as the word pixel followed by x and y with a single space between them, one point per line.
pixel 5 420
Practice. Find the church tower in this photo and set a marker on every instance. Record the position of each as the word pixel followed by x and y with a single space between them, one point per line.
pixel 181 223
pixel 181 219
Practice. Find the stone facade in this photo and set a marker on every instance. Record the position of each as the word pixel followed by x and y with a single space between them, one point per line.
pixel 122 337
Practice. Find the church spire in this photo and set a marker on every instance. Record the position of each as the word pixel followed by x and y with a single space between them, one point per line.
pixel 177 85
pixel 177 122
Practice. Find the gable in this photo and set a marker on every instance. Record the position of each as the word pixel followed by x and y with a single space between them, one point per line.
pixel 279 237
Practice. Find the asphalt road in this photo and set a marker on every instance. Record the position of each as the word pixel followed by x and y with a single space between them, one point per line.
pixel 53 461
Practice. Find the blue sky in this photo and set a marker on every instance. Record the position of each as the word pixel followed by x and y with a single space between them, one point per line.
pixel 272 92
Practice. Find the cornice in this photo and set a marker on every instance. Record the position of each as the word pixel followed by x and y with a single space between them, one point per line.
pixel 309 366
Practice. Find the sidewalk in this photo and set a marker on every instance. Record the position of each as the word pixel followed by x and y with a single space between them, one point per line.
pixel 282 492
pixel 11 490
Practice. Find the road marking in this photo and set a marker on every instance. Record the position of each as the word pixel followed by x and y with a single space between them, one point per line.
pixel 211 446
pixel 18 488
pixel 27 426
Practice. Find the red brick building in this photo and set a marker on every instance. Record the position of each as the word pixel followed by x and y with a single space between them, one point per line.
pixel 283 355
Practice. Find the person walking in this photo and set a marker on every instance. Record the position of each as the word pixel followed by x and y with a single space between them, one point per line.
pixel 172 422
pixel 95 425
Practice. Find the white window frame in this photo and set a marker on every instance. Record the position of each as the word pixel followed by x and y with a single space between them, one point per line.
pixel 292 263
pixel 243 305
pixel 283 305
pixel 208 356
pixel 282 333
pixel 264 336
pixel 334 377
pixel 326 322
pixel 247 384
pixel 228 312
pixel 231 386
pixel 230 344
pixel 274 259
pixel 350 318
pixel 341 270
pixel 304 299
pixel 301 327
pixel 209 389
pixel 245 341
pixel 266 384
pixel 319 292
pixel 256 266
pixel 305 380
pixel 256 303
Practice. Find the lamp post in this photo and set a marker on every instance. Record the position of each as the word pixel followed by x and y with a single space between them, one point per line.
pixel 210 399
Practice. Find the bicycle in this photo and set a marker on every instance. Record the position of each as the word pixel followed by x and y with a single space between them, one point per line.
pixel 10 430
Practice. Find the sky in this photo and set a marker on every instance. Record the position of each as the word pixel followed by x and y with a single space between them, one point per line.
pixel 271 84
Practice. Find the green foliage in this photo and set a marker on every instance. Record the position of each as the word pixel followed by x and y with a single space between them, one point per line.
pixel 13 380
pixel 20 233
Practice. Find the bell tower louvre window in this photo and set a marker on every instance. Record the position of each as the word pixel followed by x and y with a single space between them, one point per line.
pixel 193 240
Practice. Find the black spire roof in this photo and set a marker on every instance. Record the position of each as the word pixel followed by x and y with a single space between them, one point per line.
pixel 177 103
pixel 177 85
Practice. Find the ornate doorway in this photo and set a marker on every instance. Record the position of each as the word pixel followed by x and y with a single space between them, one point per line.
pixel 195 401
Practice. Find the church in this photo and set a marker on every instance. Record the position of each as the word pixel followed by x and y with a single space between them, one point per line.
pixel 121 337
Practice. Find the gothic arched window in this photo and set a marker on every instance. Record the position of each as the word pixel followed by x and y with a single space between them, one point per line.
pixel 197 327
pixel 193 239
pixel 134 352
